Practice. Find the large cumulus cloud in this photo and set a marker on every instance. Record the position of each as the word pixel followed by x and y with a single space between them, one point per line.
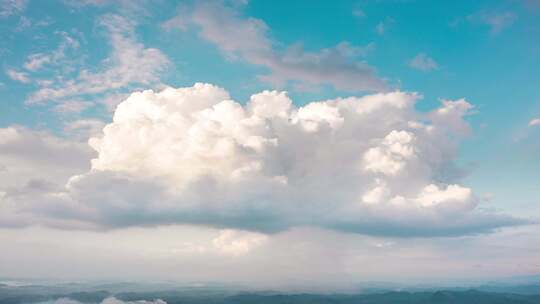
pixel 369 164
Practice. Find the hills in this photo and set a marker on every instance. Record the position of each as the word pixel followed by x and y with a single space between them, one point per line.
pixel 131 294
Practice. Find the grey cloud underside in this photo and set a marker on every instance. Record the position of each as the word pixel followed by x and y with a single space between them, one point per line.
pixel 263 216
pixel 120 202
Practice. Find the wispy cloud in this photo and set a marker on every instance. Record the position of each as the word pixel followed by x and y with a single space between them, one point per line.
pixel 247 39
pixel 359 13
pixel 496 21
pixel 83 129
pixel 37 61
pixel 18 76
pixel 109 300
pixel 423 62
pixel 130 63
pixel 72 106
pixel 11 7
pixel 534 122
pixel 383 26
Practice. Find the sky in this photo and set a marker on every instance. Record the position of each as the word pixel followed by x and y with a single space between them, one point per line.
pixel 308 144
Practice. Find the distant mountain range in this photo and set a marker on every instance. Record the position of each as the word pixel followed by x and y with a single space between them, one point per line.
pixel 131 293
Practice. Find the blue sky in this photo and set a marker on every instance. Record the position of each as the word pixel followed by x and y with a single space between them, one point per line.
pixel 65 65
pixel 492 65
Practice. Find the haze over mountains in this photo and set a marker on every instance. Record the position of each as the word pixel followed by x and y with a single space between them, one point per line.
pixel 12 292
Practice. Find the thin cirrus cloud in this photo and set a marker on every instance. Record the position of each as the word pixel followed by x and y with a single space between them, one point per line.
pixel 247 39
pixel 370 165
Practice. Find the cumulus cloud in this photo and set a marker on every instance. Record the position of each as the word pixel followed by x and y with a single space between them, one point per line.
pixel 247 39
pixel 534 122
pixel 371 165
pixel 130 63
pixel 34 167
pixel 423 62
pixel 40 152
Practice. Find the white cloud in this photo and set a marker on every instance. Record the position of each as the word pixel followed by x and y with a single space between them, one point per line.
pixel 130 63
pixel 113 300
pixel 534 122
pixel 84 128
pixel 28 154
pixel 382 26
pixel 72 106
pixel 391 156
pixel 371 165
pixel 37 61
pixel 11 7
pixel 18 76
pixel 497 21
pixel 237 243
pixel 432 195
pixel 86 2
pixel 110 300
pixel 35 166
pixel 423 62
pixel 247 39
pixel 61 301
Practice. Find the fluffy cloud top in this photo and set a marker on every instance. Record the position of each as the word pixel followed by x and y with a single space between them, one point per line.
pixel 192 155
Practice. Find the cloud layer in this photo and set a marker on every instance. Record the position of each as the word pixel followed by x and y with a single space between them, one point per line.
pixel 371 165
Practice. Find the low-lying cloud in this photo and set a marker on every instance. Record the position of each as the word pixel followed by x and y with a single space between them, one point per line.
pixel 110 300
